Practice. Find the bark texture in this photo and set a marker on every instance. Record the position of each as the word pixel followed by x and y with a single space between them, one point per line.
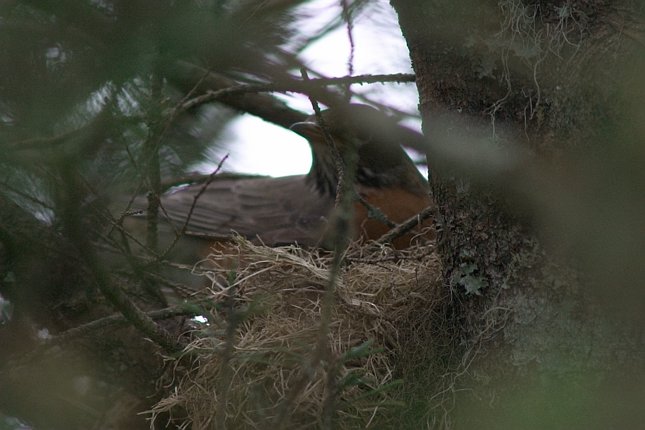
pixel 511 92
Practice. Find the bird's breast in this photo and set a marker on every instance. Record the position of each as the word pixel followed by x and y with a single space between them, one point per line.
pixel 398 205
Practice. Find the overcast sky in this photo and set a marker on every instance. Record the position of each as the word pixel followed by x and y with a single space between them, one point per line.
pixel 259 147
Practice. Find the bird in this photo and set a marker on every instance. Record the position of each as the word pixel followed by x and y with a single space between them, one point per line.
pixel 297 209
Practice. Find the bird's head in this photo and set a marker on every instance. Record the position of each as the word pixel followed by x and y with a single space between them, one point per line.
pixel 370 134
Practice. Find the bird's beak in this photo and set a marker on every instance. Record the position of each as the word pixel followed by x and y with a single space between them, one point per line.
pixel 307 129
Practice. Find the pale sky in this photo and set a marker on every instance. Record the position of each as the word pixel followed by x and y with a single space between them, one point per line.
pixel 258 147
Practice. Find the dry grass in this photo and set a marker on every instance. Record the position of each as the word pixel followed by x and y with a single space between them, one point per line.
pixel 257 347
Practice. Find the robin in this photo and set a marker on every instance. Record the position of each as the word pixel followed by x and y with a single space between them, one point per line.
pixel 295 209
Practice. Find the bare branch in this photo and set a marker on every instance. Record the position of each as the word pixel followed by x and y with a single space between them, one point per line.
pixel 181 233
pixel 407 225
pixel 310 87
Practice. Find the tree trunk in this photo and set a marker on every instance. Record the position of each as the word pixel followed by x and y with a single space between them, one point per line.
pixel 528 111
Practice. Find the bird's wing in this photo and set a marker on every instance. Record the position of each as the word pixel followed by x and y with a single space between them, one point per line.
pixel 275 210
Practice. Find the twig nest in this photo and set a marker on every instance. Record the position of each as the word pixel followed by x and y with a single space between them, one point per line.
pixel 262 357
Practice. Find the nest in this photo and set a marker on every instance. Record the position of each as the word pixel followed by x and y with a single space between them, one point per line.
pixel 276 352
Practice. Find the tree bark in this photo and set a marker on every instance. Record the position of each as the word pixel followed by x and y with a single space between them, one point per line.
pixel 506 101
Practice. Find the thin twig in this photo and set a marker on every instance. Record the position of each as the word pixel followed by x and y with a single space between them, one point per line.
pixel 341 229
pixel 347 17
pixel 201 191
pixel 119 319
pixel 154 149
pixel 120 300
pixel 153 165
pixel 374 212
pixel 407 225
pixel 304 86
pixel 234 318
pixel 114 320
